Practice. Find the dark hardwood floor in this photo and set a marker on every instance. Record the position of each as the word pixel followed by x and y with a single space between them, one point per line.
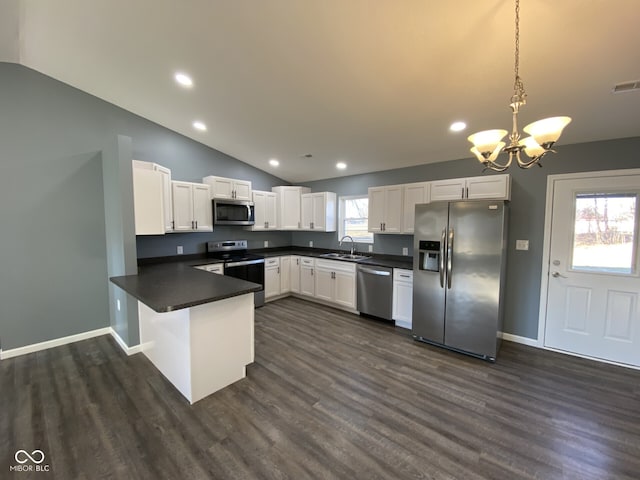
pixel 330 395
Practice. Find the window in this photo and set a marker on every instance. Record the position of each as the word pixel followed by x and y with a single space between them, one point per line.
pixel 605 232
pixel 353 218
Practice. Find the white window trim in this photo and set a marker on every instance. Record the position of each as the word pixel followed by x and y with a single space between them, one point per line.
pixel 341 200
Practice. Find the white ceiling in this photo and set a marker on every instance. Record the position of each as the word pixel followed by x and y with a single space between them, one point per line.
pixel 373 83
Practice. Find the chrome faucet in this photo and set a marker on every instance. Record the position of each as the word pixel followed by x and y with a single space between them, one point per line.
pixel 353 245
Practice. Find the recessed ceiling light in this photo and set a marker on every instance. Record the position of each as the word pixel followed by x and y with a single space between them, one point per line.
pixel 273 162
pixel 457 126
pixel 199 126
pixel 341 165
pixel 183 79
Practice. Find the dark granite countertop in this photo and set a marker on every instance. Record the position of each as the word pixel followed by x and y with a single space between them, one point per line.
pixel 165 287
pixel 165 284
pixel 391 261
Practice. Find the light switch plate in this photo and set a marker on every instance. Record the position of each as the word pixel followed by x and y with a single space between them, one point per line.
pixel 266 244
pixel 311 243
pixel 180 250
pixel 522 244
pixel 405 251
pixel 371 248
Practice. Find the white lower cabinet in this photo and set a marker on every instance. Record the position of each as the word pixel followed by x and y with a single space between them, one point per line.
pixel 336 282
pixel 402 297
pixel 295 274
pixel 271 277
pixel 285 275
pixel 307 278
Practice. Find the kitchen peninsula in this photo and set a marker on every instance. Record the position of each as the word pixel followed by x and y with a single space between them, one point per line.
pixel 195 327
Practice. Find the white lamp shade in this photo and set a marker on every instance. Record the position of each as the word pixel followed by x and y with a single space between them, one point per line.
pixel 492 157
pixel 487 140
pixel 531 147
pixel 547 130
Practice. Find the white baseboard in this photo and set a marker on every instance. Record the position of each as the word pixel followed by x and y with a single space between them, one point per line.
pixel 532 342
pixel 36 347
pixel 126 348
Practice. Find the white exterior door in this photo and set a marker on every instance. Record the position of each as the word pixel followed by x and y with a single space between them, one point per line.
pixel 593 280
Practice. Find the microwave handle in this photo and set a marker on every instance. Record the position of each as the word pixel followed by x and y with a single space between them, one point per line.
pixel 248 212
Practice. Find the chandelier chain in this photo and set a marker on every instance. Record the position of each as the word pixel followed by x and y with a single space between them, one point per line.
pixel 518 86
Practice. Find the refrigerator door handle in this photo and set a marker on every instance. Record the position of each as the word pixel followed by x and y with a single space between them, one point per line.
pixel 449 257
pixel 443 240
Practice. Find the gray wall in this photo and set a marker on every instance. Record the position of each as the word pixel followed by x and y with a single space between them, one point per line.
pixel 528 199
pixel 53 245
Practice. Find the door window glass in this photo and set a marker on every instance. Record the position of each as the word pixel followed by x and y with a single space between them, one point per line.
pixel 605 231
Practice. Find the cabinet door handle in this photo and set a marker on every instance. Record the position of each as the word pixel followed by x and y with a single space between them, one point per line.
pixel 192 228
pixel 381 226
pixel 384 227
pixel 196 224
pixel 278 270
pixel 462 192
pixel 173 225
pixel 467 193
pixel 312 272
pixel 404 276
pixel 297 261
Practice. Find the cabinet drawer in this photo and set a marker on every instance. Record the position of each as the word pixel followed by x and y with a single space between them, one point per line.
pixel 402 275
pixel 271 262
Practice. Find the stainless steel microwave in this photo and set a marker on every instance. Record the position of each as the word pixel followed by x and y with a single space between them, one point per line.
pixel 233 212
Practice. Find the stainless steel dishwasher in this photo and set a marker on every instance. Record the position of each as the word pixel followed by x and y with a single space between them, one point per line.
pixel 375 291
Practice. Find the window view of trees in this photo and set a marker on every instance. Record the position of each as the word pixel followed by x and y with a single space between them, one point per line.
pixel 604 232
pixel 355 219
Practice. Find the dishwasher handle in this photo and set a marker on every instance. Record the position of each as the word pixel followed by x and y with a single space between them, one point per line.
pixel 382 273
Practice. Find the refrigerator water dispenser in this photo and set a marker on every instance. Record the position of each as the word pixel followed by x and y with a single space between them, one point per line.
pixel 429 252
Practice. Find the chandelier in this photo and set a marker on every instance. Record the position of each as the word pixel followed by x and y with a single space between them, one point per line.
pixel 488 144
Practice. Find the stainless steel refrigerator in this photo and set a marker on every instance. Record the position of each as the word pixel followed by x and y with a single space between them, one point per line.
pixel 458 279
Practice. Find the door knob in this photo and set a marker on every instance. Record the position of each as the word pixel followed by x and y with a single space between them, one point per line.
pixel 557 274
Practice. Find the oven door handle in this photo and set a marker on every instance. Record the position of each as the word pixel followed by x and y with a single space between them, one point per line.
pixel 242 264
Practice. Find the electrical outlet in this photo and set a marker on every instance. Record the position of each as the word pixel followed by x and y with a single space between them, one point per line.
pixel 522 244
pixel 405 251
pixel 371 248
pixel 180 250
pixel 311 243
pixel 266 244
pixel 118 304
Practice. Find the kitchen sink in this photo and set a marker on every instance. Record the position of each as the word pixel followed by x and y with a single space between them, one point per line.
pixel 332 255
pixel 344 256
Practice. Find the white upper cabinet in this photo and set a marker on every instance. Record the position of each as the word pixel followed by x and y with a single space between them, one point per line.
pixel 166 196
pixel 265 204
pixel 490 187
pixel 385 209
pixel 496 187
pixel 452 189
pixel 232 188
pixel 288 206
pixel 318 211
pixel 191 207
pixel 414 194
pixel 152 198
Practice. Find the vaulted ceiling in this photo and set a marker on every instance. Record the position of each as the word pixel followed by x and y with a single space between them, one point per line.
pixel 372 83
